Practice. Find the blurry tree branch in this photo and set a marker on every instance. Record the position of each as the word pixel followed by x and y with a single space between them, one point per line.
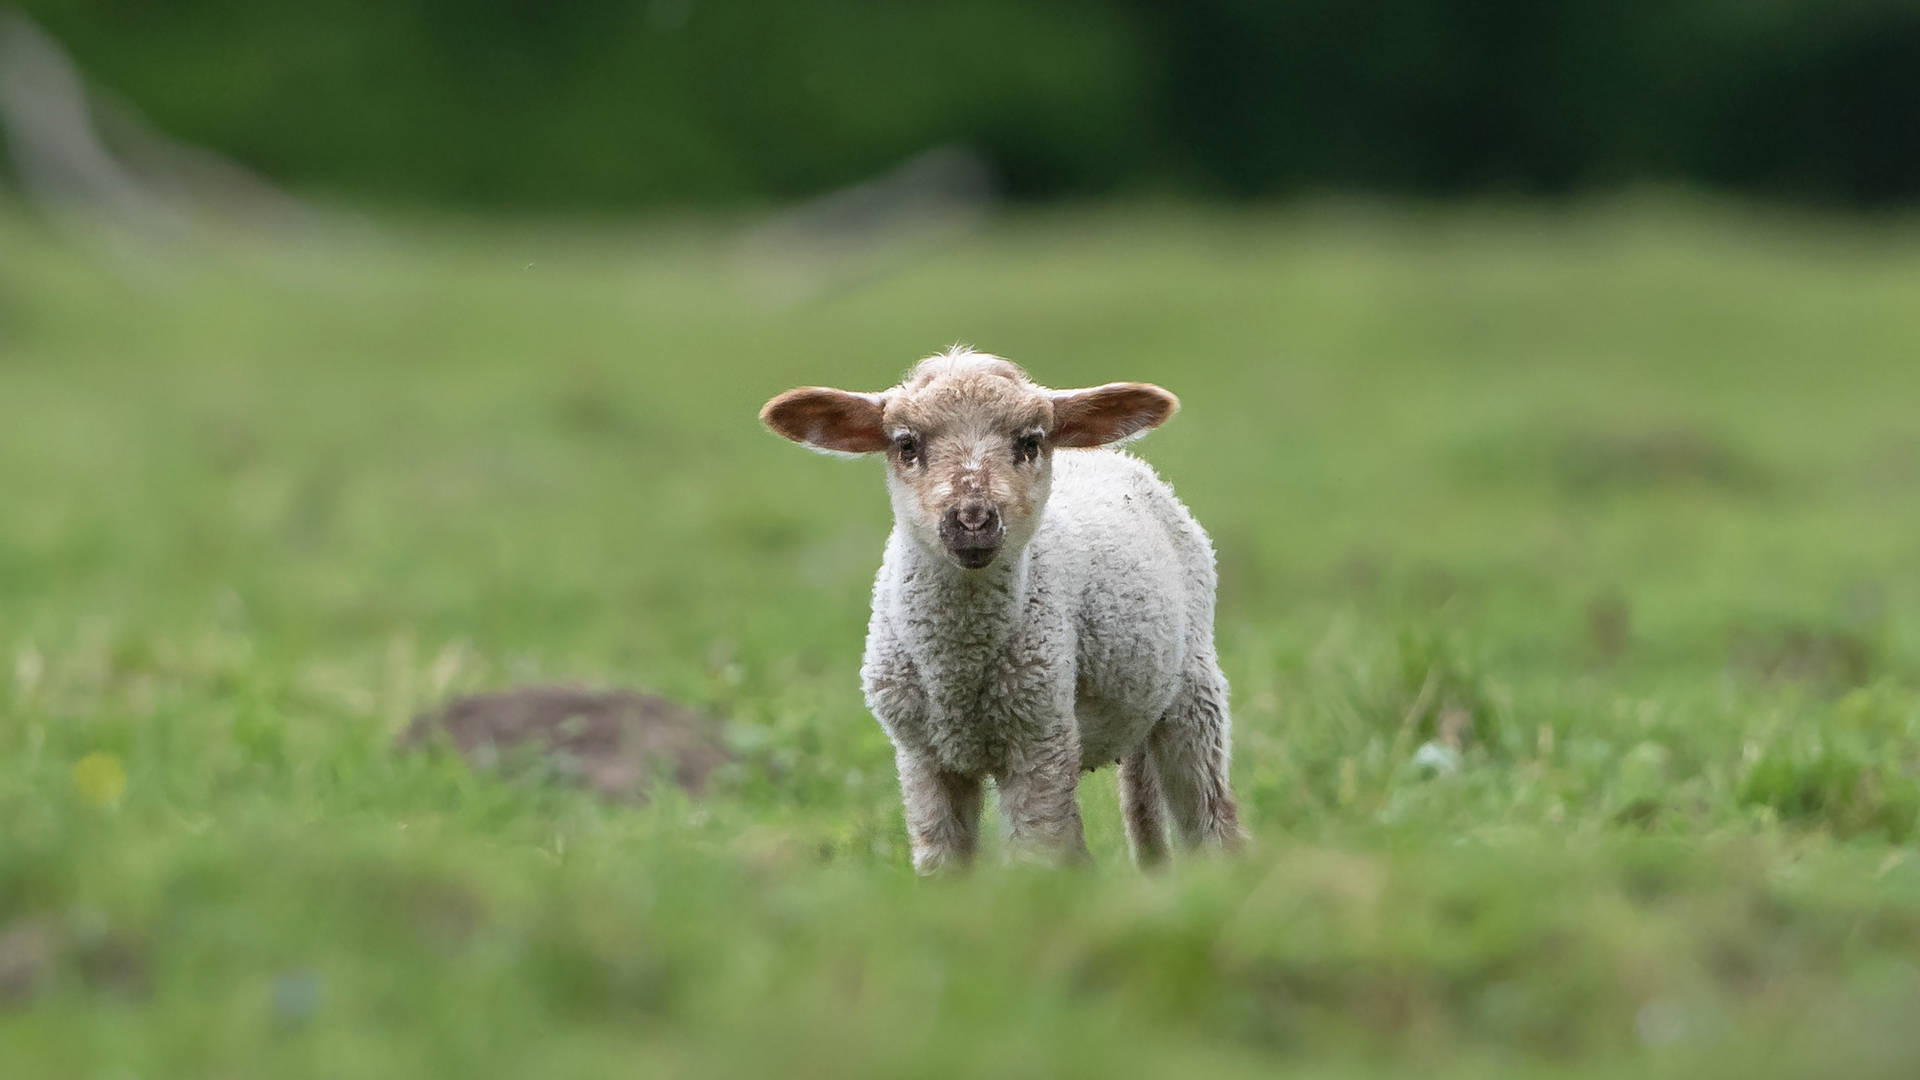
pixel 83 155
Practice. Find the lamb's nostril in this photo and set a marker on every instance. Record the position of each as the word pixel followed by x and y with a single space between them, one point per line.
pixel 978 517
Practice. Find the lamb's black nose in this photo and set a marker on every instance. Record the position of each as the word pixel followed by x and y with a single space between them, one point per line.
pixel 974 517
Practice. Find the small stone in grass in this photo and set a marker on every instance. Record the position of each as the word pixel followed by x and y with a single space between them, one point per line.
pixel 1660 1022
pixel 1437 759
pixel 297 996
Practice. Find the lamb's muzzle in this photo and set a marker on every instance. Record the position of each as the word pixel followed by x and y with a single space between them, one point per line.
pixel 972 533
pixel 1043 606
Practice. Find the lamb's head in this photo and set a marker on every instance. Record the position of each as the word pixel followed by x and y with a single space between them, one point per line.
pixel 970 441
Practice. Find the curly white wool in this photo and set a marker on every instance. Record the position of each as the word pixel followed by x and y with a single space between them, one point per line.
pixel 1093 646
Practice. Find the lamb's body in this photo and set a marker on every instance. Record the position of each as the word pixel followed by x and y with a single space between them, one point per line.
pixel 1044 607
pixel 1095 646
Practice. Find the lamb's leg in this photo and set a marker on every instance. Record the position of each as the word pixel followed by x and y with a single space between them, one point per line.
pixel 1143 810
pixel 1190 754
pixel 943 813
pixel 1039 798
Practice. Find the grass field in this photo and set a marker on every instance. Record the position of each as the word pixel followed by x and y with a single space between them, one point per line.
pixel 1624 501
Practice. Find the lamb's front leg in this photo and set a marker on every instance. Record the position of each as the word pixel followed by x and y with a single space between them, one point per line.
pixel 943 813
pixel 1039 798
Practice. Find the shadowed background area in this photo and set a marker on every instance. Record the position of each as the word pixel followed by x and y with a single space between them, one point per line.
pixel 1547 377
pixel 614 104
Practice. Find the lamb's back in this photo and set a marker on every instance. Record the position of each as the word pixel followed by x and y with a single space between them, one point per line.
pixel 1114 509
pixel 1141 573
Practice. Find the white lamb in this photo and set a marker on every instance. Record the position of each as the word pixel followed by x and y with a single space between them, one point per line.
pixel 1035 615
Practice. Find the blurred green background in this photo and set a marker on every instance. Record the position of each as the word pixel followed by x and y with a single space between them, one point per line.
pixel 621 104
pixel 1548 376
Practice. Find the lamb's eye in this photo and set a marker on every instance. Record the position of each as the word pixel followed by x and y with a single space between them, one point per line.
pixel 1028 448
pixel 909 449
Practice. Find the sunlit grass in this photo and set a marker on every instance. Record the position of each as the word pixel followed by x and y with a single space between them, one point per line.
pixel 1618 503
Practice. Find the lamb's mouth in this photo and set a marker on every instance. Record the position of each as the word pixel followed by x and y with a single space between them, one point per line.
pixel 973 558
pixel 973 548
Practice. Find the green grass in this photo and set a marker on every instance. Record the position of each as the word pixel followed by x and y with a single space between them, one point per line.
pixel 1629 494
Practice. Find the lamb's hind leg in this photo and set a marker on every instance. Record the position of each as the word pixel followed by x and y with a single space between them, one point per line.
pixel 1190 748
pixel 1143 810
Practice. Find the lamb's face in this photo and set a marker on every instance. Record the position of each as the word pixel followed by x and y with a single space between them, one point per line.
pixel 969 441
pixel 970 461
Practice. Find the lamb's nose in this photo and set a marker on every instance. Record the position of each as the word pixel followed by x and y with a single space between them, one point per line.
pixel 976 517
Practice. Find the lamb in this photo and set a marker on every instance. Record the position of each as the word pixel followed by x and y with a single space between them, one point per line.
pixel 1044 607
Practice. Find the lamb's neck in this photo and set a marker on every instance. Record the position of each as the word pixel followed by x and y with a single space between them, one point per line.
pixel 942 602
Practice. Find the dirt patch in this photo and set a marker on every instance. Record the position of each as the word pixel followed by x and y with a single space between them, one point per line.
pixel 1655 458
pixel 613 742
pixel 1830 656
pixel 35 949
pixel 1609 624
pixel 1809 654
pixel 1589 460
pixel 28 950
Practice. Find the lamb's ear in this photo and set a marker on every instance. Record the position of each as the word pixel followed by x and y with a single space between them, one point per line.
pixel 1112 413
pixel 835 421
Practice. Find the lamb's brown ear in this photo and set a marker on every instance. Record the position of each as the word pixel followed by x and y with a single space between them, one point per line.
pixel 1112 413
pixel 834 421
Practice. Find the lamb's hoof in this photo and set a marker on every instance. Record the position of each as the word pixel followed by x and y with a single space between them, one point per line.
pixel 940 863
pixel 1055 857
